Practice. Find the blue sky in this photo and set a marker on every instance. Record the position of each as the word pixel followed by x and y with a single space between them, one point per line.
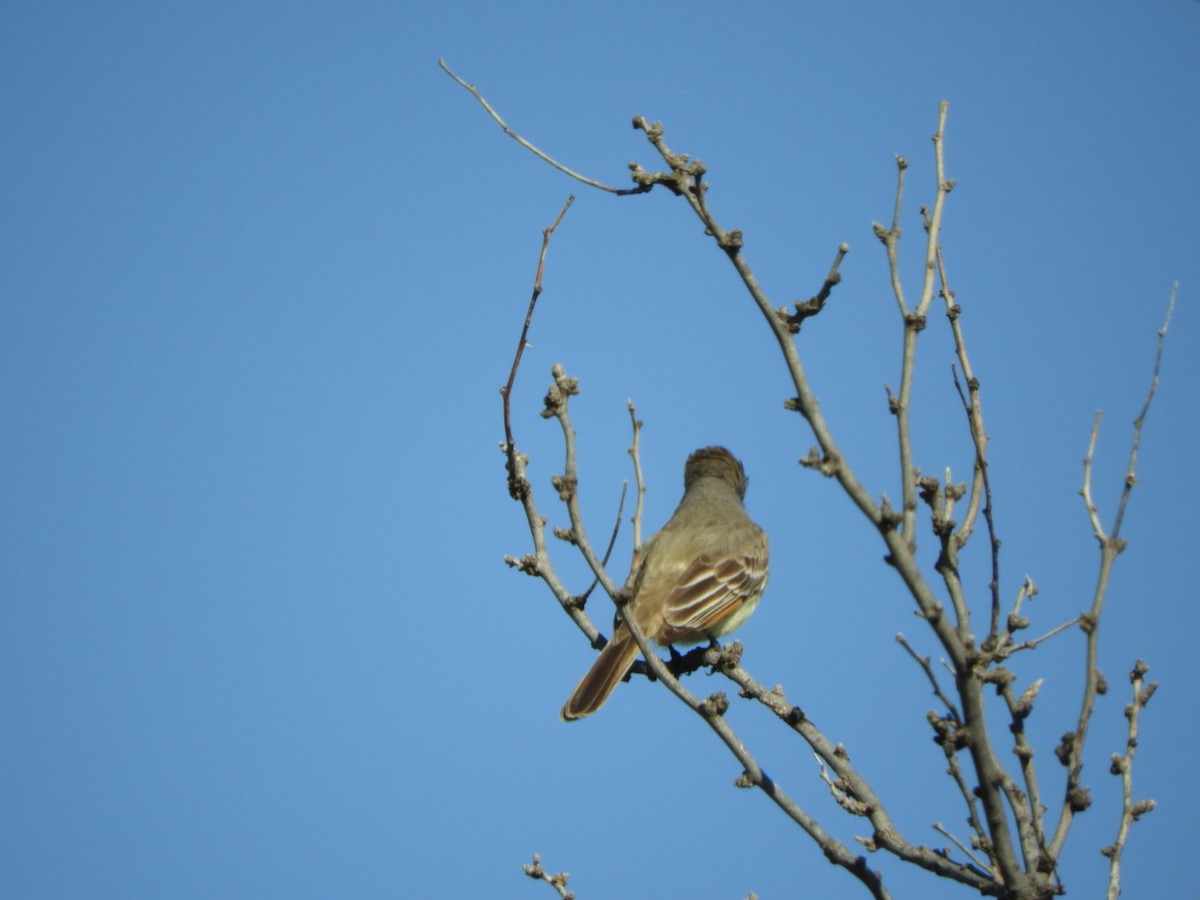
pixel 264 267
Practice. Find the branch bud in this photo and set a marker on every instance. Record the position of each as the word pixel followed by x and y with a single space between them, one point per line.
pixel 715 706
pixel 1142 807
pixel 1080 798
pixel 1065 749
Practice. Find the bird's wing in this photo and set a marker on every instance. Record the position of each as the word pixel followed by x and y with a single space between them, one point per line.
pixel 710 589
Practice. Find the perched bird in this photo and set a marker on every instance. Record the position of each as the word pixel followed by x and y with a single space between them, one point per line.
pixel 699 578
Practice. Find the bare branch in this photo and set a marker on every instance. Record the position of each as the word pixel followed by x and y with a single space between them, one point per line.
pixel 890 237
pixel 975 860
pixel 1130 473
pixel 914 324
pixel 950 735
pixel 612 542
pixel 816 303
pixel 970 404
pixel 1000 645
pixel 933 225
pixel 1070 752
pixel 567 484
pixel 528 146
pixel 923 662
pixel 516 487
pixel 1086 490
pixel 538 563
pixel 1009 650
pixel 1122 764
pixel 557 881
pixel 712 710
pixel 980 482
pixel 855 788
pixel 635 455
pixel 1027 810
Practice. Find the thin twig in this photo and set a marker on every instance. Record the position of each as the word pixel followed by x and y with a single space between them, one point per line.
pixel 975 860
pixel 1009 650
pixel 949 735
pixel 1076 797
pixel 557 881
pixel 970 404
pixel 815 304
pixel 934 223
pixel 980 482
pixel 837 790
pixel 914 324
pixel 1122 764
pixel 567 484
pixel 890 237
pixel 516 486
pixel 923 662
pixel 635 454
pixel 1027 810
pixel 612 542
pixel 1130 474
pixel 1002 645
pixel 528 146
pixel 1086 490
pixel 969 799
pixel 538 563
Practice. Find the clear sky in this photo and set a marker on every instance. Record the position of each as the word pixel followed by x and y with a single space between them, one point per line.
pixel 263 271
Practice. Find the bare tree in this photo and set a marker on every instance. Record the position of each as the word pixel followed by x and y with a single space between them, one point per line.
pixel 1019 820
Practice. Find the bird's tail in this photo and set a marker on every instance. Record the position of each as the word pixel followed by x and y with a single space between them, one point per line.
pixel 608 669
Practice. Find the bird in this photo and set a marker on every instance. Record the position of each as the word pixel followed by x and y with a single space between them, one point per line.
pixel 698 578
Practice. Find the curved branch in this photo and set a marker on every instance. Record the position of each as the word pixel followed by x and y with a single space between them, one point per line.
pixel 528 146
